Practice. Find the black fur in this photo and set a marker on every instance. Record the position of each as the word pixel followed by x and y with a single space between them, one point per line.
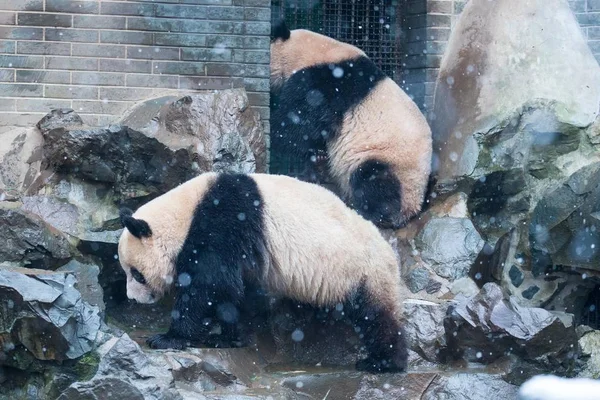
pixel 138 227
pixel 280 31
pixel 223 247
pixel 383 335
pixel 376 194
pixel 313 102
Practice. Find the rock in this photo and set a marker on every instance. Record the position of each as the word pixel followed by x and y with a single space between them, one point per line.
pixel 102 388
pixel 219 127
pixel 27 240
pixel 488 75
pixel 450 246
pixel 173 374
pixel 424 328
pixel 118 156
pixel 86 275
pixel 485 327
pixel 464 286
pixel 463 386
pixel 20 161
pixel 44 314
pixel 417 279
pixel 60 118
pixel 590 351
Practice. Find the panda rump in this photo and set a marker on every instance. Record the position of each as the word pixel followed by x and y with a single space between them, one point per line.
pixel 331 99
pixel 218 234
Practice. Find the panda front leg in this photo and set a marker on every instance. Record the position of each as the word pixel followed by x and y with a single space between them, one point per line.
pixel 203 315
pixel 382 333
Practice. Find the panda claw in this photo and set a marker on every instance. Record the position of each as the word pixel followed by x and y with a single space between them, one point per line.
pixel 162 341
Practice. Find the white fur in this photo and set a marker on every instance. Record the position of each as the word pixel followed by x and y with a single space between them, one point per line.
pixel 549 387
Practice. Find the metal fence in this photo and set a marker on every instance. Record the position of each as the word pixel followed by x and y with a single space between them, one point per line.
pixel 371 25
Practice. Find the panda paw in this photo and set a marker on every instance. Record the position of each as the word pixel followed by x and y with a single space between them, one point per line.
pixel 163 341
pixel 373 365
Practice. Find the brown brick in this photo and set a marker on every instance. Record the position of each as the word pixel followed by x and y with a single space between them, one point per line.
pixel 157 81
pixel 56 20
pixel 71 35
pixel 44 48
pixel 71 92
pixel 125 66
pixel 7 75
pixel 8 61
pixel 20 90
pixel 153 53
pixel 71 63
pixel 125 93
pixel 43 76
pixel 179 68
pixel 99 50
pixel 21 33
pixel 100 107
pixel 205 83
pixel 72 7
pixel 98 78
pixel 43 105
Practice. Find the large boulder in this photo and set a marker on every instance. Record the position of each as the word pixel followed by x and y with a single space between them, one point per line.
pixel 26 240
pixel 489 326
pixel 515 125
pixel 219 127
pixel 20 161
pixel 44 318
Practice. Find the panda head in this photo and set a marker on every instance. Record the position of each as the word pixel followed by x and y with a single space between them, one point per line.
pixel 144 258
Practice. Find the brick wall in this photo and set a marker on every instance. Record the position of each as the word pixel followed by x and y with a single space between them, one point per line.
pixel 427 24
pixel 101 56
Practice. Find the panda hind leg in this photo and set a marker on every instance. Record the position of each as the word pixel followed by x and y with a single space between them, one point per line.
pixel 376 194
pixel 382 333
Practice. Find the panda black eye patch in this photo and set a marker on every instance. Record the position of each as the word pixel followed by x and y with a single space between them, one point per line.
pixel 137 275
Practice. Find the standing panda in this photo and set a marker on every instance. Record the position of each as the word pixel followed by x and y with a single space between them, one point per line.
pixel 332 99
pixel 216 235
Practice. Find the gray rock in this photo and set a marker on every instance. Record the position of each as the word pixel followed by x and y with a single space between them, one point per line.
pixel 485 327
pixel 450 246
pixel 464 386
pixel 590 351
pixel 585 179
pixel 87 281
pixel 59 118
pixel 424 328
pixel 219 127
pixel 20 161
pixel 118 156
pixel 27 240
pixel 44 313
pixel 417 279
pixel 102 388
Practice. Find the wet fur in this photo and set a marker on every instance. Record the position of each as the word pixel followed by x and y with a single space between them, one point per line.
pixel 359 119
pixel 295 240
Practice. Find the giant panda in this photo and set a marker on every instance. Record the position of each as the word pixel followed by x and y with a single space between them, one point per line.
pixel 213 236
pixel 332 99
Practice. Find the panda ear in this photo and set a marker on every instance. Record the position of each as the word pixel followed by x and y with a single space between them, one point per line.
pixel 138 227
pixel 280 31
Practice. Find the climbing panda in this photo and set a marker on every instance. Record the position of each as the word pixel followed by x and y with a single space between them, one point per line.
pixel 333 100
pixel 216 235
